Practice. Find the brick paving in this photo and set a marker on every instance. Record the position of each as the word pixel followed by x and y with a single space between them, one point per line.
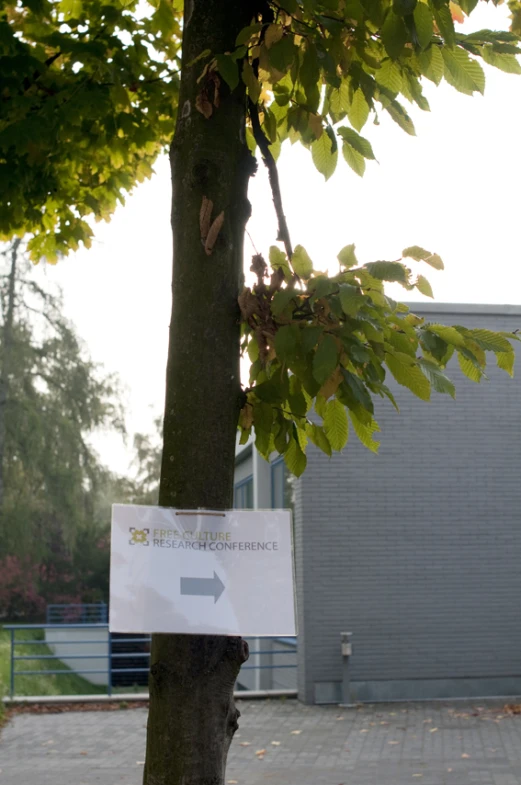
pixel 392 744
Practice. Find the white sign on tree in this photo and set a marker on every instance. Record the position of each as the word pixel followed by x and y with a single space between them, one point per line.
pixel 201 572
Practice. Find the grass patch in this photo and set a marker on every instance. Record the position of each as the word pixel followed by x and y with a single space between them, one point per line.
pixel 43 683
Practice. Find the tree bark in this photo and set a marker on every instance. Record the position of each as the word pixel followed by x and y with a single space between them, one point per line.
pixel 192 715
pixel 5 358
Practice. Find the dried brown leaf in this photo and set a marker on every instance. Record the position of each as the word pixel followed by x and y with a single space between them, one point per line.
pixel 203 105
pixel 205 217
pixel 213 233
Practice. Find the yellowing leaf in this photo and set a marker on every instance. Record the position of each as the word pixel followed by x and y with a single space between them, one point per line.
pixel 456 12
pixel 358 111
pixel 273 34
pixel 301 262
pixel 407 373
pixel 335 424
pixel 354 159
pixel 323 155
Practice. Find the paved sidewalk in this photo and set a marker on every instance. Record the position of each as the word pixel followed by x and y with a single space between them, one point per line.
pixel 431 744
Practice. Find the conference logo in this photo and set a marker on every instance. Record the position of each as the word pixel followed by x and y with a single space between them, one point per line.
pixel 138 536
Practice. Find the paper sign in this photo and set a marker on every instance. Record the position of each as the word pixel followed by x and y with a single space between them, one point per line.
pixel 202 572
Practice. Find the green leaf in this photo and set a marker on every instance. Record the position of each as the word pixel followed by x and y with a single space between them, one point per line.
pixel 394 35
pixel 505 62
pixel 505 361
pixel 280 300
pixel 335 424
pixel 365 432
pixel 489 340
pixel 448 334
pixel 282 54
pixel 439 382
pixel 246 33
pixel 401 117
pixel 325 359
pixel 357 142
pixel 388 271
pixel 351 299
pixel 269 392
pixel 262 422
pixel 424 286
pixel 286 343
pixel 407 373
pixel 358 111
pixel 229 70
pixel 443 19
pixel 358 390
pixel 279 261
pixel 301 262
pixel 431 64
pixel 251 81
pixel 309 337
pixel 462 71
pixel 421 255
pixel 424 24
pixel 471 369
pixel 354 159
pixel 389 76
pixel 270 125
pixel 318 437
pixel 347 257
pixel 324 158
pixel 294 458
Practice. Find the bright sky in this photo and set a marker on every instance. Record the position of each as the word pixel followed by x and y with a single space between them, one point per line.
pixel 452 189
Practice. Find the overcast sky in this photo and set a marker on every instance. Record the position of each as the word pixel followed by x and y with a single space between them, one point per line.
pixel 453 189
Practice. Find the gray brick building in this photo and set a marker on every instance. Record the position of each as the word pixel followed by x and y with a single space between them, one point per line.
pixel 416 550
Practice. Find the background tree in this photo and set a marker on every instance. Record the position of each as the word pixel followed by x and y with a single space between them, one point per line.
pixel 252 74
pixel 54 505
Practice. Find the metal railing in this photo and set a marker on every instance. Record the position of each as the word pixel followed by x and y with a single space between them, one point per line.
pixel 114 662
pixel 74 613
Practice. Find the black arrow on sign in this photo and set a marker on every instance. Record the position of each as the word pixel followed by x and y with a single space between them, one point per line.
pixel 203 587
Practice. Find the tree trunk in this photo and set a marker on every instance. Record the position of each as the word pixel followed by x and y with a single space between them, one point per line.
pixel 192 715
pixel 5 358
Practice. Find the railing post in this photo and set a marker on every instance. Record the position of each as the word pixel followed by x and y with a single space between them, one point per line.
pixel 12 664
pixel 109 674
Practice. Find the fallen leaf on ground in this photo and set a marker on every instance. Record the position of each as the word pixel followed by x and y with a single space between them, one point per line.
pixel 245 743
pixel 295 732
pixel 232 782
pixel 384 723
pixel 341 717
pixel 260 752
pixel 424 721
pixel 276 743
pixel 449 770
pixel 364 730
pixel 84 753
pixel 433 730
pixel 465 755
pixel 393 742
pixel 140 763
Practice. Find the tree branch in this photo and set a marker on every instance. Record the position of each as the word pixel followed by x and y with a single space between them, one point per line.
pixel 273 175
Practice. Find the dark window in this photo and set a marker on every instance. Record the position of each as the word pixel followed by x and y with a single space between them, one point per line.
pixel 281 486
pixel 243 494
